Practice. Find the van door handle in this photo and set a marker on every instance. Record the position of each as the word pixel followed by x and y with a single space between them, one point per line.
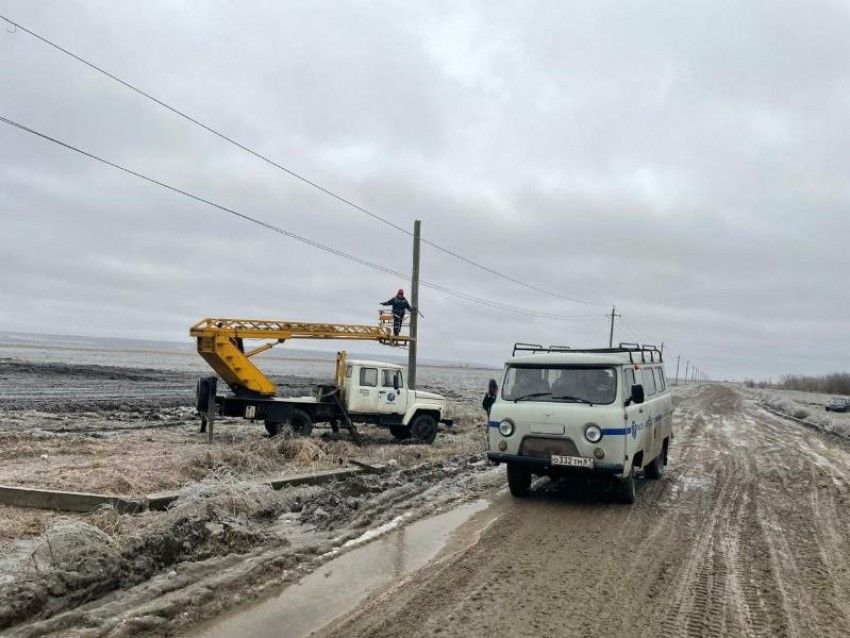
pixel 640 410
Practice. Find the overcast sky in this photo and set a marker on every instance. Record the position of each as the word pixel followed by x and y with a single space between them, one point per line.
pixel 686 161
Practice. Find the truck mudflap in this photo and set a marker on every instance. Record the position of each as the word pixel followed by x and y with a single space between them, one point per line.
pixel 543 464
pixel 448 422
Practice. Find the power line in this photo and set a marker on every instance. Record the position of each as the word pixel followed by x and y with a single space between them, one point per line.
pixel 300 238
pixel 625 332
pixel 294 174
pixel 639 331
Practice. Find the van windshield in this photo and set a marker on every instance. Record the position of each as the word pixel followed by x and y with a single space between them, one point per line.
pixel 595 385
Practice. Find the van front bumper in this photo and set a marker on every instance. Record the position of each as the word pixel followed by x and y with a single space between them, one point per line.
pixel 542 464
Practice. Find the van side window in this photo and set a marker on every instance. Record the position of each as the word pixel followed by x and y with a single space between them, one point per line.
pixel 648 382
pixel 659 379
pixel 369 377
pixel 630 381
pixel 348 370
pixel 389 376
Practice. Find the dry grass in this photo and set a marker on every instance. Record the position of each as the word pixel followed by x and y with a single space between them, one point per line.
pixel 67 542
pixel 139 462
pixel 222 494
pixel 20 523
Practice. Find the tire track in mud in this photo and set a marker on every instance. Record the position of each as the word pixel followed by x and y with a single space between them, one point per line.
pixel 747 535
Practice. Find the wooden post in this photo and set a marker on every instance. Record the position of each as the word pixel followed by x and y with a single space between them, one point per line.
pixel 213 388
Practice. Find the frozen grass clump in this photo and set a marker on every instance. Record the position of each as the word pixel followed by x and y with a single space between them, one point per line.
pixel 224 495
pixel 264 456
pixel 72 545
pixel 800 413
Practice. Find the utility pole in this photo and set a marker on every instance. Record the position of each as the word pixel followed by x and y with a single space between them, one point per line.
pixel 611 336
pixel 687 363
pixel 678 361
pixel 414 314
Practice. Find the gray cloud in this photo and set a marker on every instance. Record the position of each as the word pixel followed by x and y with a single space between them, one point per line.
pixel 685 161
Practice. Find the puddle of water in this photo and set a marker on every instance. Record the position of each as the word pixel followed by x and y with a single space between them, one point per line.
pixel 338 586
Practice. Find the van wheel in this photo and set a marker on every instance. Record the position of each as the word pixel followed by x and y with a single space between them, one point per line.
pixel 624 488
pixel 401 432
pixel 272 427
pixel 519 480
pixel 655 469
pixel 301 423
pixel 424 428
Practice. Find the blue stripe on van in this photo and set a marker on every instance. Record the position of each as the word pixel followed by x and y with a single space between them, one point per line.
pixel 492 424
pixel 616 431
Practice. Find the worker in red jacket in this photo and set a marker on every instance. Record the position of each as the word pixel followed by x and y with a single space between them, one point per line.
pixel 400 305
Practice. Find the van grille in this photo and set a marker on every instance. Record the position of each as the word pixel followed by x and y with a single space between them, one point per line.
pixel 543 448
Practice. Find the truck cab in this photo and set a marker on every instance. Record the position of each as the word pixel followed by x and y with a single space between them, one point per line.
pixel 376 392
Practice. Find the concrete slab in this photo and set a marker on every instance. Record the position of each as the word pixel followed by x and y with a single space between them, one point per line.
pixel 366 466
pixel 65 501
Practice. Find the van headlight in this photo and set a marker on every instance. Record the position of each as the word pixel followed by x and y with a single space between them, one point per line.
pixel 506 427
pixel 593 433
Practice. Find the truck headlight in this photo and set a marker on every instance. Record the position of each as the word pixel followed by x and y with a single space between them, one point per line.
pixel 506 427
pixel 593 433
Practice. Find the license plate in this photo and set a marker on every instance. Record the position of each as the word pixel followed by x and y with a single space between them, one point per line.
pixel 572 461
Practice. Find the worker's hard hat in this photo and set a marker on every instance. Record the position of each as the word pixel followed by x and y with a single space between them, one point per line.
pixel 401 292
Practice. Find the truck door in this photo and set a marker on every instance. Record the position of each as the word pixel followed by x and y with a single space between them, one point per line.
pixel 392 396
pixel 363 394
pixel 634 415
pixel 651 446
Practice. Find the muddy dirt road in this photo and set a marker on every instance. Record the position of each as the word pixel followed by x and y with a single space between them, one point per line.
pixel 747 535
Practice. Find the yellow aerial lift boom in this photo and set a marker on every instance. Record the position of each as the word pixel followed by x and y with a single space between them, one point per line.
pixel 221 344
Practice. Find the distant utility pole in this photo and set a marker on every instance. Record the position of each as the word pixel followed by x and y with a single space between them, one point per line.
pixel 414 314
pixel 678 361
pixel 687 363
pixel 611 335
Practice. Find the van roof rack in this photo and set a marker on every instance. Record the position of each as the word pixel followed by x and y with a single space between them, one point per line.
pixel 648 353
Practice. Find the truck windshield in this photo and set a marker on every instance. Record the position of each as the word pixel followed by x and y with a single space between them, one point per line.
pixel 595 385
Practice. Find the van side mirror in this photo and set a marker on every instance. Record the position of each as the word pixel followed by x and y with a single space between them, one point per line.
pixel 395 382
pixel 638 395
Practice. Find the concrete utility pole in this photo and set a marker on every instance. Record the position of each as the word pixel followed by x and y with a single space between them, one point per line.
pixel 611 336
pixel 678 360
pixel 414 314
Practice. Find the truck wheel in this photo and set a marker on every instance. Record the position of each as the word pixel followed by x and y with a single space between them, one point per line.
pixel 655 469
pixel 519 480
pixel 301 422
pixel 272 427
pixel 424 428
pixel 401 432
pixel 624 488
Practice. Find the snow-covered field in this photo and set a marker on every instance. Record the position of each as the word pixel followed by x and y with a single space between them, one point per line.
pixel 808 406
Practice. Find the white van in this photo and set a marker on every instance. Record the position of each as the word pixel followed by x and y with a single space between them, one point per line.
pixel 562 412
